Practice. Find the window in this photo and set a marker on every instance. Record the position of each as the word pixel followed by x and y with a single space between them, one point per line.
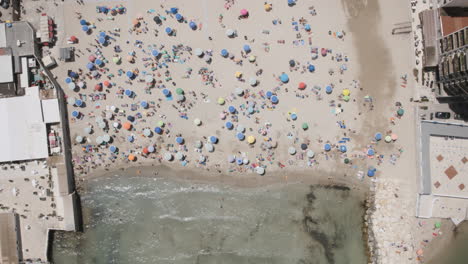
pixel 450 43
pixel 462 38
pixel 466 36
pixel 463 62
pixel 455 41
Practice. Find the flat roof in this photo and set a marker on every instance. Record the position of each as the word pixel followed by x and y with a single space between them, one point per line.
pixel 8 239
pixel 3 42
pixel 24 135
pixel 50 111
pixel 6 71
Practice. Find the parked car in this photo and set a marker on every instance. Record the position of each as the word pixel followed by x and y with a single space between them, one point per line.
pixel 442 115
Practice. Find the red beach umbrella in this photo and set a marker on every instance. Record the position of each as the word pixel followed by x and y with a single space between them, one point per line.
pixel 145 150
pixel 92 58
pixel 107 83
pixel 302 86
pixel 98 87
pixel 74 39
pixel 244 12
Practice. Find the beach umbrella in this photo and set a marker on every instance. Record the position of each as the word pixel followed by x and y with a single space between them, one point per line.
pixel 130 59
pixel 127 126
pixel 174 10
pixel 303 146
pixel 252 58
pixel 151 149
pixel 229 125
pixel 346 161
pixel 232 109
pixel 328 89
pixel 253 81
pixel 240 136
pixel 400 112
pixel 157 20
pixel 213 139
pixel 72 86
pixel 224 53
pixel 231 158
pixel 85 28
pixel 166 92
pixel 99 62
pixel 99 119
pixel 250 110
pixel 83 22
pixel 129 74
pixel 179 156
pixel 292 150
pixel 81 84
pixel 229 32
pixel 198 144
pixel 193 25
pixel 180 98
pixel 98 87
pixel 73 74
pixel 158 130
pixel 155 53
pixel 370 152
pixel 179 17
pixel 78 102
pixel 145 151
pixel 305 126
pixel 209 147
pixel 116 124
pixel 107 83
pixel 291 2
pixel 310 154
pixel 169 31
pixel 198 52
pixel 180 140
pixel 244 12
pixel 149 78
pixel 168 156
pixel 239 161
pixel 113 149
pixel 94 73
pixel 131 157
pixel 327 147
pixel 179 91
pixel 343 148
pixel 221 101
pixel 130 118
pixel 269 94
pixel 128 93
pixel 307 27
pixel 284 78
pixel 267 7
pixel 346 92
pixel 388 139
pixel 160 123
pixel 245 161
pixel 68 80
pixel 202 159
pixel 102 40
pixel 197 121
pixel 378 136
pixel 238 74
pixel 394 136
pixel 99 140
pixel 371 172
pixel 292 63
pixel 147 132
pixel 130 138
pixel 260 170
pixel 239 91
pixel 274 99
pixel 293 116
pixel 247 48
pixel 88 130
pixel 102 125
pixel 79 139
pixel 311 68
pixel 240 129
pixel 251 139
pixel 346 98
pixel 106 138
pixel 144 104
pixel 71 100
pixel 301 86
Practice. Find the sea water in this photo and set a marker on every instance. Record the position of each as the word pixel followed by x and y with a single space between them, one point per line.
pixel 160 220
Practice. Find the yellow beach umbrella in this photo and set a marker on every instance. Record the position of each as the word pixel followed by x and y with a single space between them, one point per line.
pixel 267 7
pixel 238 74
pixel 346 92
pixel 251 139
pixel 221 101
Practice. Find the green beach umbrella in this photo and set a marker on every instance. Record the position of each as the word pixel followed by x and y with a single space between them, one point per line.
pixel 179 91
pixel 346 161
pixel 388 139
pixel 160 123
pixel 437 224
pixel 221 101
pixel 116 59
pixel 305 126
pixel 400 111
pixel 346 98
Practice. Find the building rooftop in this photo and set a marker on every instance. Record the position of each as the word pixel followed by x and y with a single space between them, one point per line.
pixel 24 136
pixel 452 24
pixel 8 239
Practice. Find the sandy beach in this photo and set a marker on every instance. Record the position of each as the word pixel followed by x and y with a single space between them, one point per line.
pixel 242 89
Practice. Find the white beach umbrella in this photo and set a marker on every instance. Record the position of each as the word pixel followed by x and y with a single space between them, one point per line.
pixel 88 130
pixel 202 158
pixel 245 161
pixel 198 144
pixel 239 91
pixel 229 32
pixel 109 115
pixel 231 158
pixel 253 81
pixel 106 138
pixel 99 119
pixel 72 86
pixel 79 139
pixel 240 129
pixel 179 156
pixel 113 108
pixel 310 154
pixel 292 150
pixel 71 100
pixel 198 52
pixel 197 121
pixel 102 125
pixel 116 124
pixel 149 78
pixel 147 132
pixel 180 98
pixel 99 140
pixel 209 147
pixel 168 156
pixel 260 170
pixel 81 84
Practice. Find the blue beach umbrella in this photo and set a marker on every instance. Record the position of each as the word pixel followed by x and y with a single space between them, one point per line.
pixel 193 25
pixel 343 148
pixel 130 118
pixel 247 48
pixel 250 110
pixel 128 93
pixel 144 104
pixel 239 161
pixel 155 53
pixel 307 27
pixel 370 152
pixel 102 34
pixel 68 80
pixel 327 147
pixel 85 28
pixel 232 109
pixel 371 172
pixel 99 62
pixel 311 68
pixel 130 138
pixel 224 53
pixel 179 17
pixel 293 116
pixel 73 75
pixel 240 136
pixel 174 10
pixel 269 94
pixel 83 22
pixel 291 2
pixel 78 102
pixel 129 74
pixel 90 66
pixel 113 149
pixel 213 139
pixel 378 136
pixel 229 125
pixel 75 113
pixel 151 149
pixel 328 89
pixel 166 92
pixel 102 40
pixel 169 30
pixel 284 78
pixel 274 99
pixel 180 140
pixel 158 130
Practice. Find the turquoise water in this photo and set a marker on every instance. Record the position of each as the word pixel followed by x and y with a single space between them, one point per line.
pixel 159 220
